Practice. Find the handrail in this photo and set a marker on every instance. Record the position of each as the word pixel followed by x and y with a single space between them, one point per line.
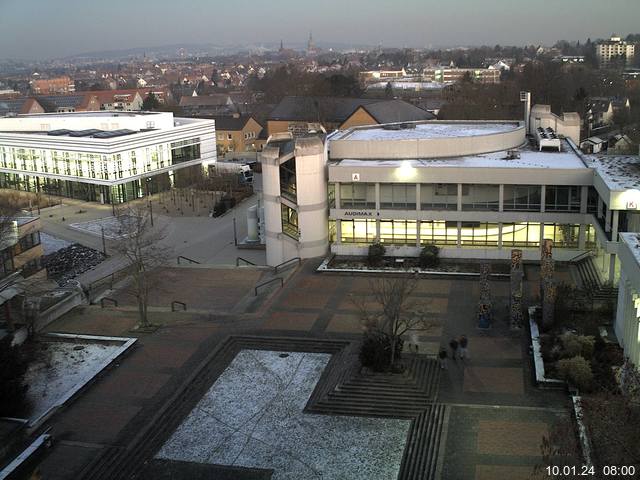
pixel 298 259
pixel 176 302
pixel 111 275
pixel 102 300
pixel 580 256
pixel 238 259
pixel 188 259
pixel 255 290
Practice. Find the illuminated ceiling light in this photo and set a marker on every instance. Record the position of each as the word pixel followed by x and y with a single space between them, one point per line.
pixel 406 171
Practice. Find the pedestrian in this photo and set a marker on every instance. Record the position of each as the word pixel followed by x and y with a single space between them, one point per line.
pixel 453 344
pixel 464 352
pixel 443 359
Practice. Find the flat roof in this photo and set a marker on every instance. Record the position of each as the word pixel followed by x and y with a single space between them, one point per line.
pixel 529 158
pixel 427 130
pixel 619 172
pixel 96 113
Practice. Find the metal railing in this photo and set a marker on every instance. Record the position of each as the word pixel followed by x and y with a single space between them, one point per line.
pixel 190 260
pixel 294 259
pixel 176 302
pixel 108 299
pixel 581 256
pixel 111 279
pixel 240 259
pixel 255 290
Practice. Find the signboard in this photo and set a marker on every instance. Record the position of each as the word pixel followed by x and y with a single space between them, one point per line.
pixel 632 205
pixel 355 177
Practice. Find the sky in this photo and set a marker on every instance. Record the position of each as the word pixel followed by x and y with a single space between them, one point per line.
pixel 41 29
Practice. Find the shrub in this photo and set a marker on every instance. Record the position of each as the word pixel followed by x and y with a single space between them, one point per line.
pixel 576 371
pixel 376 254
pixel 574 345
pixel 429 256
pixel 375 351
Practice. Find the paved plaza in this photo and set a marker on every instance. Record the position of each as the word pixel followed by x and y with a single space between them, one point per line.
pixel 497 419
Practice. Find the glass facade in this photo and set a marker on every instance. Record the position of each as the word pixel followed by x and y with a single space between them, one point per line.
pixel 438 232
pixel 563 235
pixel 439 196
pixel 523 198
pixel 357 231
pixel 358 195
pixel 562 198
pixel 398 232
pixel 289 221
pixel 398 196
pixel 481 197
pixel 479 234
pixel 288 180
pixel 522 235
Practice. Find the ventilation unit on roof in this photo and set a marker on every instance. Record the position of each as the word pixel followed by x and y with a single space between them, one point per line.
pixel 512 155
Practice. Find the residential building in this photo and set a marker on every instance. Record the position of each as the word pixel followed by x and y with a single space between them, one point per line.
pixel 236 133
pixel 214 104
pixel 615 49
pixel 53 86
pixel 81 102
pixel 378 75
pixel 110 157
pixel 300 115
pixel 601 110
pixel 20 106
pixel 20 249
pixel 127 100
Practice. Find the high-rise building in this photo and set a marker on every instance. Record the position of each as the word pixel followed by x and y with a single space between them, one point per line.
pixel 614 49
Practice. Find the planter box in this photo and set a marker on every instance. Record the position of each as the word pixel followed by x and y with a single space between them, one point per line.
pixel 541 380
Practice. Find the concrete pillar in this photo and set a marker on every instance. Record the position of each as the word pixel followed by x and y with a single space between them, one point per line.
pixel 337 195
pixel 418 206
pixel 582 236
pixel 338 232
pixel 418 233
pixel 614 225
pixel 623 293
pixel 378 202
pixel 584 198
pixel 459 241
pixel 600 207
pixel 500 224
pixel 607 221
pixel 501 200
pixel 459 207
pixel 612 267
pixel 377 226
pixel 543 197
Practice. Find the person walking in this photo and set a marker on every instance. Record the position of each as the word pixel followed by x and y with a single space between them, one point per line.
pixel 443 359
pixel 453 344
pixel 463 343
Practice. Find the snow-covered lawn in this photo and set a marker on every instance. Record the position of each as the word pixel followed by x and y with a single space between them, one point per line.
pixel 111 225
pixel 61 367
pixel 252 417
pixel 51 244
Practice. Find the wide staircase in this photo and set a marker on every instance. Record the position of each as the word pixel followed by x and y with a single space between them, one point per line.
pixel 591 281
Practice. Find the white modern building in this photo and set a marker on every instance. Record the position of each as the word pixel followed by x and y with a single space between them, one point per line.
pixel 475 189
pixel 110 157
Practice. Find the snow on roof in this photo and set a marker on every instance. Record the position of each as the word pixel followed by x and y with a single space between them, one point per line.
pixel 619 172
pixel 529 158
pixel 429 130
pixel 633 240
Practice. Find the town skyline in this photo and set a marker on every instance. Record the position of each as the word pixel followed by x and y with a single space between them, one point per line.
pixel 363 24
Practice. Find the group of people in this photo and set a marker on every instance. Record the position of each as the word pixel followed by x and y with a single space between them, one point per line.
pixel 459 349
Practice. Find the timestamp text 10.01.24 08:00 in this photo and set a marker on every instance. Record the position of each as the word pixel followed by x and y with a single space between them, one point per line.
pixel 622 471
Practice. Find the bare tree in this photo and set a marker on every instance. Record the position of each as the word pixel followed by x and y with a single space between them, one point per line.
pixel 141 245
pixel 400 312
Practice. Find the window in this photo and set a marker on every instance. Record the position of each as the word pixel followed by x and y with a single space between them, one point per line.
pixel 288 180
pixel 357 231
pixel 522 198
pixel 438 232
pixel 289 221
pixel 398 232
pixel 562 198
pixel 332 231
pixel 398 196
pixel 357 195
pixel 590 237
pixel 481 197
pixel 439 196
pixel 521 234
pixel 563 235
pixel 229 136
pixel 185 150
pixel 592 200
pixel 479 234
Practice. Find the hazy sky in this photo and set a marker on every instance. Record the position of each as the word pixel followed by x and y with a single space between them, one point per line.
pixel 51 28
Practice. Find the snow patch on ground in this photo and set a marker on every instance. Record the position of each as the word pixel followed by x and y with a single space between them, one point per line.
pixel 59 368
pixel 111 225
pixel 51 244
pixel 252 417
